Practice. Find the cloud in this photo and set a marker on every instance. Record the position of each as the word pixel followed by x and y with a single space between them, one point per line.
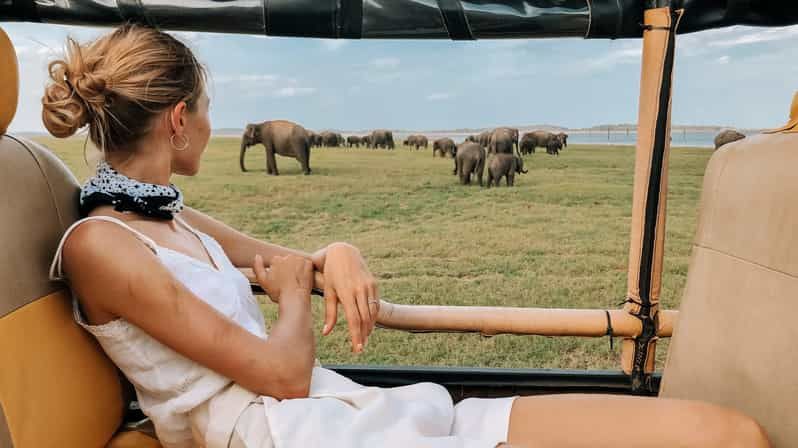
pixel 385 63
pixel 264 84
pixel 628 54
pixel 247 78
pixel 731 38
pixel 724 60
pixel 754 37
pixel 285 92
pixel 333 44
pixel 439 96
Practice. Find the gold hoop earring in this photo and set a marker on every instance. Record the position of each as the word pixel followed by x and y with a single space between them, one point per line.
pixel 182 147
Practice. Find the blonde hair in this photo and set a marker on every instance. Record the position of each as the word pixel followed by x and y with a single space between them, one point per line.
pixel 118 83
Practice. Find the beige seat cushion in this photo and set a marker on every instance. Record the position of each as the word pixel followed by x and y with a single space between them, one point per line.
pixel 734 343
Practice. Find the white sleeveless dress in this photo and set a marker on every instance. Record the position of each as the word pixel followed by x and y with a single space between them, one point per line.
pixel 191 405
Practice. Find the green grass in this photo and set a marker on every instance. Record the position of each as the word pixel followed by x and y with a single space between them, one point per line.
pixel 559 238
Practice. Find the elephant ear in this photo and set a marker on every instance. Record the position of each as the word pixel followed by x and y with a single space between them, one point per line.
pixel 252 131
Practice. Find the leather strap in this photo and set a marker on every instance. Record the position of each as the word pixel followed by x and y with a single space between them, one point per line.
pixel 455 20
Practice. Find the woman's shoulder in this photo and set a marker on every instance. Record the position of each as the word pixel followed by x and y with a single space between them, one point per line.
pixel 98 237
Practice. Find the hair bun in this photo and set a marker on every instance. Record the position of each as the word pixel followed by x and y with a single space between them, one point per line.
pixel 90 87
pixel 63 111
pixel 76 96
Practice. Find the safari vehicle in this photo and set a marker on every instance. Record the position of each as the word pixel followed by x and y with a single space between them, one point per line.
pixel 733 338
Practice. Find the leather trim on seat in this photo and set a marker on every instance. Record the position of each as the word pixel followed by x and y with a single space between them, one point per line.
pixel 5 434
pixel 792 124
pixel 9 80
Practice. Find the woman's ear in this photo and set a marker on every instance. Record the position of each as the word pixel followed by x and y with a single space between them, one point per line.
pixel 177 118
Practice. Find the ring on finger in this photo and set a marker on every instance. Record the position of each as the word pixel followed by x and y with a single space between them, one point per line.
pixel 374 301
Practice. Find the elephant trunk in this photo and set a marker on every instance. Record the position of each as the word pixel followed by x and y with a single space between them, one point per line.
pixel 244 147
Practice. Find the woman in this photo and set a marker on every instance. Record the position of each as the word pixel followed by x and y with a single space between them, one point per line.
pixel 171 310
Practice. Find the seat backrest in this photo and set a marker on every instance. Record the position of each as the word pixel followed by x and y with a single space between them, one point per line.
pixel 57 388
pixel 734 343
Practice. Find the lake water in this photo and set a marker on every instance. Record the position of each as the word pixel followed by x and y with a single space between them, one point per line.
pixel 680 139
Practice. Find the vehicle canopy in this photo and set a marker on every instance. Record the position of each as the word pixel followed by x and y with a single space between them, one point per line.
pixel 416 19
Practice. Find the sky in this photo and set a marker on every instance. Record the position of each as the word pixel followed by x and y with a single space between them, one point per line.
pixel 739 77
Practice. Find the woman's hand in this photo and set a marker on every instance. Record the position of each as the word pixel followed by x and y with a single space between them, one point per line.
pixel 348 280
pixel 285 275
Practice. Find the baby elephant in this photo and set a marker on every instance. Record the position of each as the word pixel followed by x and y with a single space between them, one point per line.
pixel 504 165
pixel 470 159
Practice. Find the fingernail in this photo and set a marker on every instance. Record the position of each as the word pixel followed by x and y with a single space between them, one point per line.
pixel 359 348
pixel 326 328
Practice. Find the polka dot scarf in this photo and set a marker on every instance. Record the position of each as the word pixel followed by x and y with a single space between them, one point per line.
pixel 109 187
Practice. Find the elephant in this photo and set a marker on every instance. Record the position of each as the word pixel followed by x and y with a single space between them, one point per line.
pixel 505 132
pixel 416 141
pixel 484 138
pixel 727 136
pixel 366 140
pixel 504 165
pixel 354 141
pixel 331 139
pixel 382 138
pixel 503 140
pixel 564 138
pixel 315 139
pixel 554 146
pixel 444 146
pixel 278 137
pixel 472 138
pixel 534 139
pixel 470 159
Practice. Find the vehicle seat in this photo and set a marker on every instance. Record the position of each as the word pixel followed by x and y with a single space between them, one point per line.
pixel 57 387
pixel 734 343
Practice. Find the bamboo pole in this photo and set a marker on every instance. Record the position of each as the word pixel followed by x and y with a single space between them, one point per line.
pixel 491 320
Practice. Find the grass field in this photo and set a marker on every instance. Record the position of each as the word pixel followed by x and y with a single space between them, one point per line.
pixel 559 238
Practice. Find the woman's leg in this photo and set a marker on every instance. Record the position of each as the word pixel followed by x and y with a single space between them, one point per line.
pixel 613 421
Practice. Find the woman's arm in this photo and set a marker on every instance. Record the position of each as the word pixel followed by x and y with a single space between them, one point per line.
pixel 346 277
pixel 131 282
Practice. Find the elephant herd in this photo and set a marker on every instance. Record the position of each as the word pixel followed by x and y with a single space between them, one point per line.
pixel 552 142
pixel 380 138
pixel 502 153
pixel 288 139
